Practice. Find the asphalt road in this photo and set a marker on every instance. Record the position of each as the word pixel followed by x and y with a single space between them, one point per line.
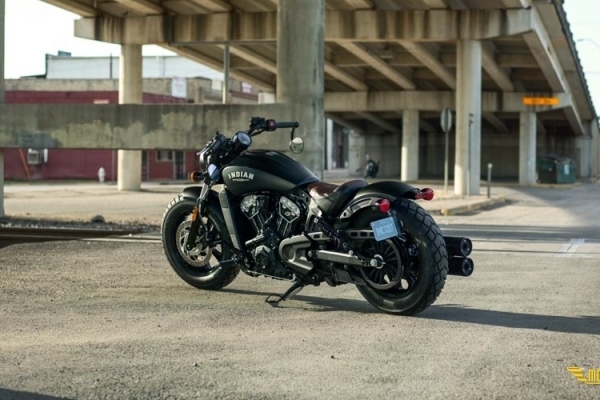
pixel 111 320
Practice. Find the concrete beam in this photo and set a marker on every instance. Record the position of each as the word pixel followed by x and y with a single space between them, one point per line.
pixel 504 60
pixel 360 25
pixel 218 65
pixel 423 25
pixel 433 101
pixel 380 122
pixel 435 4
pixel 431 62
pixel 213 5
pixel 344 122
pixel 255 58
pixel 526 3
pixel 457 4
pixel 427 127
pixel 380 65
pixel 541 129
pixel 543 50
pixel 490 66
pixel 142 6
pixel 345 77
pixel 496 122
pixel 353 4
pixel 74 7
pixel 129 126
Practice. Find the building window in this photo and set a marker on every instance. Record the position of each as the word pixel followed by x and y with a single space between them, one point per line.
pixel 164 156
pixel 246 88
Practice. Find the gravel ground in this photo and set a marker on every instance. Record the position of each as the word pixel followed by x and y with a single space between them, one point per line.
pixel 130 226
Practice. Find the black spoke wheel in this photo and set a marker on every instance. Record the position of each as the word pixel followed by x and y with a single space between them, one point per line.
pixel 414 264
pixel 389 253
pixel 197 266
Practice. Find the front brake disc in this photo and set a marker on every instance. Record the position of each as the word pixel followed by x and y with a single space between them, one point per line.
pixel 197 256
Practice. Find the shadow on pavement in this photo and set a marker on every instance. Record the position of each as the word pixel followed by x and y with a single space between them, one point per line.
pixel 589 325
pixel 7 394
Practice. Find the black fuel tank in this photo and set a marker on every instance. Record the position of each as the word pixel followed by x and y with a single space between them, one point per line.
pixel 270 170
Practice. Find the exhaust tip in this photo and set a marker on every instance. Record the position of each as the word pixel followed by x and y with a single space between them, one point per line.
pixel 461 266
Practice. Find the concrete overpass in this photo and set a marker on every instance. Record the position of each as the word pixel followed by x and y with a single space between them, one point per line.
pixel 383 68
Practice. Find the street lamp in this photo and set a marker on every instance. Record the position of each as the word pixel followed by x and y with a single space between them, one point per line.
pixel 592 41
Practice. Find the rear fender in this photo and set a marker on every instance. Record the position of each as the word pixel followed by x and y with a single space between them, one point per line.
pixel 371 194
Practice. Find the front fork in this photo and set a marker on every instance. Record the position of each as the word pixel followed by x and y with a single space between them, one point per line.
pixel 197 217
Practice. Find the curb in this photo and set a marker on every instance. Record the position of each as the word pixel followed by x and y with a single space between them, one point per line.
pixel 471 207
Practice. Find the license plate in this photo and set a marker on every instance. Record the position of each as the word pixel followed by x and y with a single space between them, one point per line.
pixel 384 228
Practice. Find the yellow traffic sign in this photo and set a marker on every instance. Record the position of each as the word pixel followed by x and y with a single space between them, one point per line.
pixel 540 101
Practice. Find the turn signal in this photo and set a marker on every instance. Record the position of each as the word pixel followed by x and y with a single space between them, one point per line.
pixel 424 194
pixel 196 176
pixel 384 205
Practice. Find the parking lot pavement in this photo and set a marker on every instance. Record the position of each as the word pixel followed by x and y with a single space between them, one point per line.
pixel 112 320
pixel 84 201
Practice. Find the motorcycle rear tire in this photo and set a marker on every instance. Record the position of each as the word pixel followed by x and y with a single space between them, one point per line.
pixel 423 234
pixel 206 277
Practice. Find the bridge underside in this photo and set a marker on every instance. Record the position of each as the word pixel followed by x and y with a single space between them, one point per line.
pixel 383 69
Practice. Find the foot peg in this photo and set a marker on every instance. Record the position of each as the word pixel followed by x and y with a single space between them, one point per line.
pixel 274 299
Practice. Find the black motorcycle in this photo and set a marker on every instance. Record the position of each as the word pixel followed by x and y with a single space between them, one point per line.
pixel 262 212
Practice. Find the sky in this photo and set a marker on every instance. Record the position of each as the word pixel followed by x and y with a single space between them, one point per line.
pixel 35 28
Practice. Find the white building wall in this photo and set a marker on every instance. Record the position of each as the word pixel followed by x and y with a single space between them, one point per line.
pixel 153 67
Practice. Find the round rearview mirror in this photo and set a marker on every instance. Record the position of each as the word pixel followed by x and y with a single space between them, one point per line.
pixel 297 145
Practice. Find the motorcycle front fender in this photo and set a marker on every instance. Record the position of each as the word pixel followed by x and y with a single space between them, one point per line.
pixel 371 194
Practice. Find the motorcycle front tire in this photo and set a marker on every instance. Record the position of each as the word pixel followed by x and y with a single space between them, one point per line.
pixel 198 268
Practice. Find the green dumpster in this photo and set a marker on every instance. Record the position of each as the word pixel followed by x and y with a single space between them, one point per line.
pixel 553 168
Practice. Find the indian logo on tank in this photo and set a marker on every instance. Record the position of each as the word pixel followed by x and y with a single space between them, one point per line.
pixel 241 176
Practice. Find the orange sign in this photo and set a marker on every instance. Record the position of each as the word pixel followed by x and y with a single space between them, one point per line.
pixel 540 101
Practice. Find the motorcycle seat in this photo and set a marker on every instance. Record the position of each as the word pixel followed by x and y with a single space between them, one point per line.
pixel 331 198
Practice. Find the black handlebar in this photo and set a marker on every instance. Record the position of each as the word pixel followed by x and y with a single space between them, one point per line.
pixel 258 124
pixel 285 125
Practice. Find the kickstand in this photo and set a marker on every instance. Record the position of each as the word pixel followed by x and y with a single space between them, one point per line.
pixel 274 299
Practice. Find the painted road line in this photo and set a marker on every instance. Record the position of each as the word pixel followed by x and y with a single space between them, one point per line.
pixel 569 248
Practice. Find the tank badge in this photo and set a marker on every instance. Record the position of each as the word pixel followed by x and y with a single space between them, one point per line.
pixel 241 176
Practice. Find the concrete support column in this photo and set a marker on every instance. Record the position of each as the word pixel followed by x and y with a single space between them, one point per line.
pixel 409 167
pixel 329 124
pixel 1 182
pixel 527 148
pixel 300 73
pixel 467 165
pixel 2 38
pixel 356 154
pixel 595 131
pixel 129 173
pixel 584 147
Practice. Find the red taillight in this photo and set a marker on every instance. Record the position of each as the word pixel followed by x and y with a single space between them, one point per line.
pixel 424 194
pixel 384 205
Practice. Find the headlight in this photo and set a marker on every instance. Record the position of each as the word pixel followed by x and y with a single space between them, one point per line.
pixel 241 141
pixel 202 160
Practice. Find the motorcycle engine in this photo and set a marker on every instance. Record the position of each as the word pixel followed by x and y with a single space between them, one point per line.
pixel 273 219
